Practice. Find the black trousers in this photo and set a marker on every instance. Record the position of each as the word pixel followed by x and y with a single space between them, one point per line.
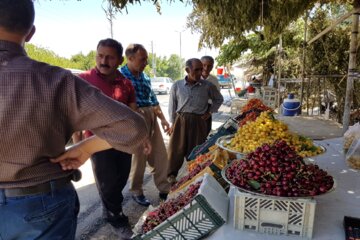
pixel 111 169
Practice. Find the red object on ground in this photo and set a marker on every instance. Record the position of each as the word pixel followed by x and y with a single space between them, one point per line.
pixel 220 71
pixel 237 89
pixel 250 89
pixel 226 75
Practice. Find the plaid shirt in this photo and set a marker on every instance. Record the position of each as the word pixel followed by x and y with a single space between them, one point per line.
pixel 145 96
pixel 41 106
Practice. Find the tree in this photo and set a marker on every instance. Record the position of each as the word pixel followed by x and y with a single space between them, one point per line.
pixel 165 67
pixel 47 56
pixel 84 62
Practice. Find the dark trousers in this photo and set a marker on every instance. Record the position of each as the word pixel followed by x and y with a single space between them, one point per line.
pixel 190 130
pixel 209 124
pixel 111 169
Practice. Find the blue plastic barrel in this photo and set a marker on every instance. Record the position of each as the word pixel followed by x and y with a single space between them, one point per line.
pixel 291 106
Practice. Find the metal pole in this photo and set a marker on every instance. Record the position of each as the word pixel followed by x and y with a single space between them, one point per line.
pixel 181 65
pixel 180 46
pixel 351 69
pixel 279 71
pixel 303 62
pixel 153 59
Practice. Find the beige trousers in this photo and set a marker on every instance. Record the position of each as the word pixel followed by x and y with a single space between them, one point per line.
pixel 157 159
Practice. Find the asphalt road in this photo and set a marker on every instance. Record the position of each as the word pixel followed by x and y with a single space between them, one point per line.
pixel 90 222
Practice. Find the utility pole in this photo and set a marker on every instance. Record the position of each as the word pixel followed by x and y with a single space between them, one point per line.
pixel 181 61
pixel 153 59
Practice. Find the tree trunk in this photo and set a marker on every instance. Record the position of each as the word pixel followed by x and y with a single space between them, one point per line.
pixel 352 68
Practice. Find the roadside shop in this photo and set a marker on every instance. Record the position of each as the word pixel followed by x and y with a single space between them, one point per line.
pixel 255 179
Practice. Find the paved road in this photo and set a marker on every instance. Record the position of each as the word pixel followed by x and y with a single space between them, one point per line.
pixel 90 222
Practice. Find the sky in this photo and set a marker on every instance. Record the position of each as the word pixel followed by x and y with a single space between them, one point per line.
pixel 68 27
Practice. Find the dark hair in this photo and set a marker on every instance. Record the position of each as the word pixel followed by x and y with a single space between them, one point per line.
pixel 133 48
pixel 109 42
pixel 190 61
pixel 17 16
pixel 209 58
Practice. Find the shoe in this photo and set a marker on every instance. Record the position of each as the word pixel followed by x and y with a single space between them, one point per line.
pixel 163 196
pixel 120 226
pixel 171 179
pixel 123 232
pixel 141 199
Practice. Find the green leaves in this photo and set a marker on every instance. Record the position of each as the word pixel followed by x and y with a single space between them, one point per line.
pixel 48 56
pixel 254 184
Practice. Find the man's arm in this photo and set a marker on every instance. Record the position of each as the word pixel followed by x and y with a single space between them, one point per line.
pixel 77 136
pixel 79 153
pixel 119 125
pixel 216 97
pixel 172 107
pixel 164 123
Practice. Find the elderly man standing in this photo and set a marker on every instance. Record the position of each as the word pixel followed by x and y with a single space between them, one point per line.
pixel 149 106
pixel 189 112
pixel 208 65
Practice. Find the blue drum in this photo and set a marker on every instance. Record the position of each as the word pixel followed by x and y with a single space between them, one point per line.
pixel 291 106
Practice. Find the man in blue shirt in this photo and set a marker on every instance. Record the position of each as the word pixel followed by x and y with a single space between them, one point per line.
pixel 149 107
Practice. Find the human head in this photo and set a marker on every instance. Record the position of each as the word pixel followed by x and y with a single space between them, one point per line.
pixel 208 64
pixel 17 20
pixel 108 56
pixel 194 68
pixel 137 57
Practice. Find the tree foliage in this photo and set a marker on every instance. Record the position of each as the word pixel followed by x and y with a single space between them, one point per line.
pixel 165 67
pixel 84 62
pixel 48 56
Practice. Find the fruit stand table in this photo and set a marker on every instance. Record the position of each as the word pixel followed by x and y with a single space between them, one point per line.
pixel 330 208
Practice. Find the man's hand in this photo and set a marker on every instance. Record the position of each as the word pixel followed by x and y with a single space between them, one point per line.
pixel 165 125
pixel 170 130
pixel 147 147
pixel 206 116
pixel 73 158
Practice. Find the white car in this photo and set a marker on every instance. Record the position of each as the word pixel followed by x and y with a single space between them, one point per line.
pixel 161 84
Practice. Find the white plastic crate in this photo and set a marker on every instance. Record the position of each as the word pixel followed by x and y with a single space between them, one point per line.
pixel 236 105
pixel 203 215
pixel 273 215
pixel 269 96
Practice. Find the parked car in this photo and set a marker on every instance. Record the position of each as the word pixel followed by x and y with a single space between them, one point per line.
pixel 161 85
pixel 75 71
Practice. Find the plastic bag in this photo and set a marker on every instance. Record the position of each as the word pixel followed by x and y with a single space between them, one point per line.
pixel 353 133
pixel 353 155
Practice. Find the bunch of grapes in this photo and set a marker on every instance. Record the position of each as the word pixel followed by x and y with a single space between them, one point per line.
pixel 170 207
pixel 277 170
pixel 198 168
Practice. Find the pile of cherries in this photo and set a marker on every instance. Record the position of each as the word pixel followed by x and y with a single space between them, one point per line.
pixel 277 170
pixel 170 207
